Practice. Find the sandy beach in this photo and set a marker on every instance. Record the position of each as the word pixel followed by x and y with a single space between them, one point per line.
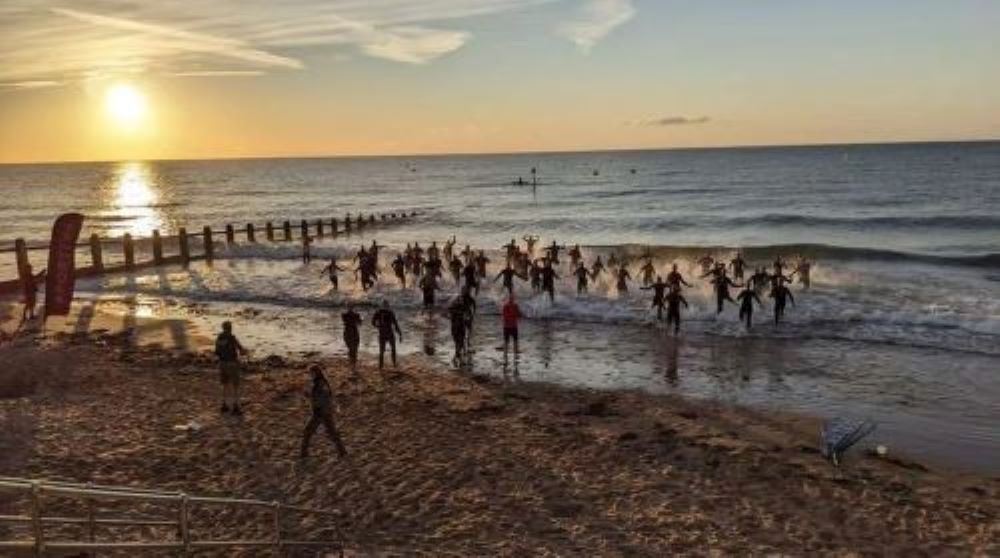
pixel 443 463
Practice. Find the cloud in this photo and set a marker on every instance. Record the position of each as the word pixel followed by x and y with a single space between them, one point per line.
pixel 49 40
pixel 595 21
pixel 671 121
pixel 37 84
pixel 219 73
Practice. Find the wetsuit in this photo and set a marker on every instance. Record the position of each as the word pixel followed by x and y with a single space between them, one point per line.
pixel 549 276
pixel 746 299
pixel 471 278
pixel 456 269
pixel 508 275
pixel 457 315
pixel 428 285
pixel 658 289
pixel 781 295
pixel 332 270
pixel 722 284
pixel 385 321
pixel 737 264
pixel 322 414
pixel 675 280
pixel 581 279
pixel 623 277
pixel 647 271
pixel 674 301
pixel 399 268
pixel 352 338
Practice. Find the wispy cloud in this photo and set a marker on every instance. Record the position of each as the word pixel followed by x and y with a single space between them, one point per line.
pixel 37 84
pixel 670 121
pixel 53 41
pixel 595 20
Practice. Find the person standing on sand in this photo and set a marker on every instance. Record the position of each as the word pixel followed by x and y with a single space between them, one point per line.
pixel 511 314
pixel 321 397
pixel 388 328
pixel 229 349
pixel 352 337
pixel 306 252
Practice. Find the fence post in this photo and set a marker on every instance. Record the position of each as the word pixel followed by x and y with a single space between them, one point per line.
pixel 157 247
pixel 287 227
pixel 182 241
pixel 36 517
pixel 21 251
pixel 230 234
pixel 250 236
pixel 269 228
pixel 128 248
pixel 184 525
pixel 305 228
pixel 277 527
pixel 91 525
pixel 319 228
pixel 209 247
pixel 96 259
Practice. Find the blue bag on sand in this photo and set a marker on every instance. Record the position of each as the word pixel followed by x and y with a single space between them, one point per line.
pixel 838 435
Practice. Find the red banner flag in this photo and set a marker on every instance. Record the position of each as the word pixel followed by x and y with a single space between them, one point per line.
pixel 61 274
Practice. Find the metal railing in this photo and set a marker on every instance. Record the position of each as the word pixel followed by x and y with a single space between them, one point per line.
pixel 184 541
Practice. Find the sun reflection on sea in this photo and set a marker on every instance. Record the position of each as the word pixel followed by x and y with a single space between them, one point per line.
pixel 131 201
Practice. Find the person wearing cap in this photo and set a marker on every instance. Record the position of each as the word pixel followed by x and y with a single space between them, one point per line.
pixel 384 320
pixel 229 349
pixel 321 397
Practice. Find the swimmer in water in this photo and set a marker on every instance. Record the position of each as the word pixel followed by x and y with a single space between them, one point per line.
pixel 647 271
pixel 623 277
pixel 331 269
pixel 674 301
pixel 613 260
pixel 529 242
pixel 508 274
pixel 455 266
pixel 399 268
pixel 737 264
pixel 582 276
pixel 597 268
pixel 759 279
pixel 549 276
pixel 675 279
pixel 781 295
pixel 552 252
pixel 746 299
pixel 659 287
pixel 803 269
pixel 706 263
pixel 575 255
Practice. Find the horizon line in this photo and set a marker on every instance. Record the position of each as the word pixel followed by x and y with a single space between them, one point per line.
pixel 542 152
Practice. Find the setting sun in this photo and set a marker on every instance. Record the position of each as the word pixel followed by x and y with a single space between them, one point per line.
pixel 125 104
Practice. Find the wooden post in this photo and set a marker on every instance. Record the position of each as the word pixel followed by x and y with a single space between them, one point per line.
pixel 230 234
pixel 250 233
pixel 371 219
pixel 96 258
pixel 269 228
pixel 305 228
pixel 21 251
pixel 182 241
pixel 347 222
pixel 333 226
pixel 128 248
pixel 287 227
pixel 319 228
pixel 157 248
pixel 209 247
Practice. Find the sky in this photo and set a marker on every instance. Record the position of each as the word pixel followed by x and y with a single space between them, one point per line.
pixel 175 79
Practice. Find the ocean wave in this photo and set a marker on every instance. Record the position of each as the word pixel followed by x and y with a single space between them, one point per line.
pixel 963 222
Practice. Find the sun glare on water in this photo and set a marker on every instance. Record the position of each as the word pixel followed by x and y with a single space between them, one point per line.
pixel 125 104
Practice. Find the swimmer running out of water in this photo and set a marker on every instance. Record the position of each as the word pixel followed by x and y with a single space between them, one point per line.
pixel 623 276
pixel 331 269
pixel 781 295
pixel 674 301
pixel 658 287
pixel 746 299
pixel 508 274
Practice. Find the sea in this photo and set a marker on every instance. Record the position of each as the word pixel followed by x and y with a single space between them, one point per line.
pixel 901 325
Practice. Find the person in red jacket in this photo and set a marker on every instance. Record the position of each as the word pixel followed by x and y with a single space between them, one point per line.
pixel 511 313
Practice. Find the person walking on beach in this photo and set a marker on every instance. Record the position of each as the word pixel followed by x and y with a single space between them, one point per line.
pixel 511 314
pixel 746 299
pixel 229 350
pixel 385 322
pixel 674 301
pixel 29 291
pixel 428 285
pixel 306 251
pixel 321 398
pixel 352 335
pixel 331 269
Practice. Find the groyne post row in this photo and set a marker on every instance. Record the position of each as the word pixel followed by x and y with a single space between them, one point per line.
pixel 98 265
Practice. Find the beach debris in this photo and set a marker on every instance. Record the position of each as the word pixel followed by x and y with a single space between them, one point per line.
pixel 838 435
pixel 190 426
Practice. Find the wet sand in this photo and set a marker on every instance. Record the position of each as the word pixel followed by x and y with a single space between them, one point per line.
pixel 450 464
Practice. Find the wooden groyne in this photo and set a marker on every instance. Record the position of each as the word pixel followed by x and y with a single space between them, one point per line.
pixel 187 246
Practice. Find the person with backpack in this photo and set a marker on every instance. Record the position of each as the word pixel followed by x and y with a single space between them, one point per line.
pixel 229 349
